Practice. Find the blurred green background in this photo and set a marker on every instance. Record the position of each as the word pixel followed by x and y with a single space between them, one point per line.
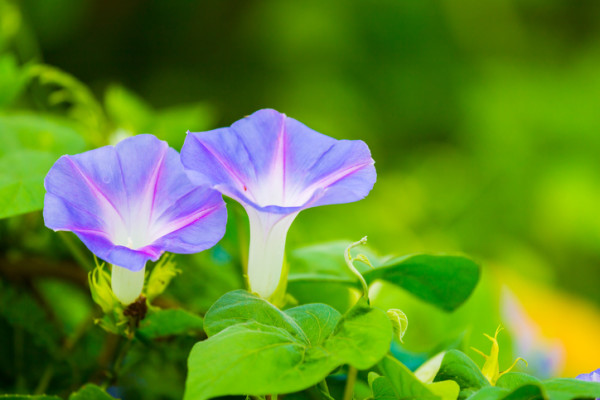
pixel 483 119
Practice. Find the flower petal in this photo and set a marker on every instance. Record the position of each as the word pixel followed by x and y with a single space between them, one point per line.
pixel 152 174
pixel 125 257
pixel 593 376
pixel 276 164
pixel 186 228
pixel 343 169
pixel 91 189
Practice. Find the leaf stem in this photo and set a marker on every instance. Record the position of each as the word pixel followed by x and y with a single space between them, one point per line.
pixel 349 389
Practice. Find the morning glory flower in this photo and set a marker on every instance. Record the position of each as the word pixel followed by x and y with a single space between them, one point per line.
pixel 545 355
pixel 593 376
pixel 275 167
pixel 128 204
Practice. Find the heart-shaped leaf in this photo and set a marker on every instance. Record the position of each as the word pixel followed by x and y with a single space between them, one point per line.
pixel 256 349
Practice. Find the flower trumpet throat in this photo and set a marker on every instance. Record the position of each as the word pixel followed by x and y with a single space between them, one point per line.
pixel 491 367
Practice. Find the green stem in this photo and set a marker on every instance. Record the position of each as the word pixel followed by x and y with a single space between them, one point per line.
pixel 19 343
pixel 349 389
pixel 44 380
pixel 116 369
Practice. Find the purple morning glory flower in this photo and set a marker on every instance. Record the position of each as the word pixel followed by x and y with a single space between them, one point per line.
pixel 593 376
pixel 129 203
pixel 276 167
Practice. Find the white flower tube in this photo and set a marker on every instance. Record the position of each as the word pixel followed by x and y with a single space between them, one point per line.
pixel 267 245
pixel 127 285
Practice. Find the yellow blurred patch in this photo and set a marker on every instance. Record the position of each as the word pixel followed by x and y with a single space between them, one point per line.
pixel 568 318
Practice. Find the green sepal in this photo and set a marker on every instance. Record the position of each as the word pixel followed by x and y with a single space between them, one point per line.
pixel 102 294
pixel 160 277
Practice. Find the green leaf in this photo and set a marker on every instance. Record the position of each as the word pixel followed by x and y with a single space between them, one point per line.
pixel 526 387
pixel 90 392
pixel 458 367
pixel 12 79
pixel 22 181
pixel 404 383
pixel 313 288
pixel 252 358
pixel 127 110
pixel 239 306
pixel 317 321
pixel 445 390
pixel 487 393
pixel 442 280
pixel 513 380
pixel 29 145
pixel 317 392
pixel 569 388
pixel 429 369
pixel 327 278
pixel 527 392
pixel 318 273
pixel 356 338
pixel 169 322
pixel 42 133
pixel 271 351
pixel 382 388
pixel 327 259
